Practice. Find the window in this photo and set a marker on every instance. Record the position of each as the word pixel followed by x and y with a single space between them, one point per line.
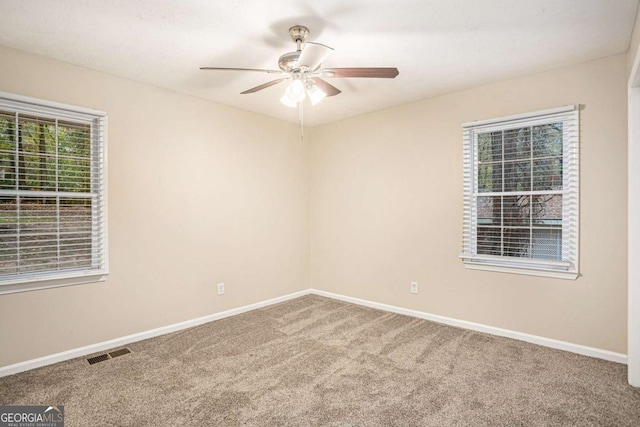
pixel 521 194
pixel 52 194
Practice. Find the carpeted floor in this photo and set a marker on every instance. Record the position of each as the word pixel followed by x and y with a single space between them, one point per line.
pixel 316 361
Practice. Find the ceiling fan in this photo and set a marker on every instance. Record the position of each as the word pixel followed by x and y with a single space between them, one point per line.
pixel 305 73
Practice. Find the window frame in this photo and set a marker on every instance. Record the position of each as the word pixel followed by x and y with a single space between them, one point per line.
pixel 568 266
pixel 98 120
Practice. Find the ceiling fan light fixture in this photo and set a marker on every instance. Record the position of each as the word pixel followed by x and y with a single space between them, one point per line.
pixel 295 91
pixel 314 93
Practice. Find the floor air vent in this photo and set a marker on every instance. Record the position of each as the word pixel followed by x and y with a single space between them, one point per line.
pixel 99 358
pixel 107 356
pixel 120 352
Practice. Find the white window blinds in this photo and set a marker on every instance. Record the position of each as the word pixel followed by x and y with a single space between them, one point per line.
pixel 521 193
pixel 52 194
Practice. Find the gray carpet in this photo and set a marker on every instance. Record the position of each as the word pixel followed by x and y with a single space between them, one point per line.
pixel 316 361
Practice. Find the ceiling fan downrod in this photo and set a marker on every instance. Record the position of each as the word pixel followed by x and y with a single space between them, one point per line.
pixel 299 34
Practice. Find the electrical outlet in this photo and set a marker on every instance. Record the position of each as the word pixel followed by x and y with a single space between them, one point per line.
pixel 220 288
pixel 414 287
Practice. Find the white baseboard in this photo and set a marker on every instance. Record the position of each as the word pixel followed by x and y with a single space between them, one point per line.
pixel 118 342
pixel 534 339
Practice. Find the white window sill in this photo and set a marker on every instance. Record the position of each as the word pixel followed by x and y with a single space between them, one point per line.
pixel 35 282
pixel 527 271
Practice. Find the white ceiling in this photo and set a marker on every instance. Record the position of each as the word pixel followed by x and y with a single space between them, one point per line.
pixel 439 46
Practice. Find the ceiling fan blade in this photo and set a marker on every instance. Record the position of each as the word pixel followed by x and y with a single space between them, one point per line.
pixel 371 72
pixel 242 69
pixel 313 54
pixel 263 86
pixel 327 88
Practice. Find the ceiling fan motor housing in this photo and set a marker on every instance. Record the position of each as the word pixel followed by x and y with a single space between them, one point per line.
pixel 288 61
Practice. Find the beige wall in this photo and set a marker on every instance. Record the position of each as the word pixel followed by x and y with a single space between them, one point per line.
pixel 198 194
pixel 386 209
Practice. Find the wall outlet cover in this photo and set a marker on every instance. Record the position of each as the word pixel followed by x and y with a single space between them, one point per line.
pixel 414 287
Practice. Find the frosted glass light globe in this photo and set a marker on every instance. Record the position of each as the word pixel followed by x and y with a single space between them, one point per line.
pixel 295 91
